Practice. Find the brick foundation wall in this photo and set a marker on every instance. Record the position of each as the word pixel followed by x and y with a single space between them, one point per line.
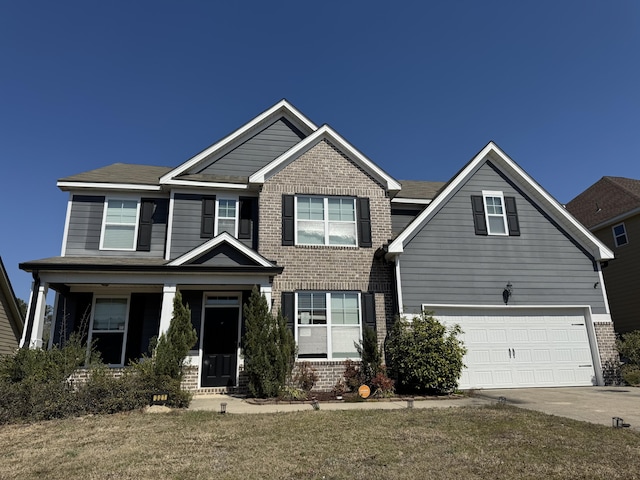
pixel 609 358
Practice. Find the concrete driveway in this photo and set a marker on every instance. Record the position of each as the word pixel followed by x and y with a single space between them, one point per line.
pixel 589 404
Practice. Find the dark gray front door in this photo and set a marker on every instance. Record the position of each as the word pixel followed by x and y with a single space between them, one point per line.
pixel 220 347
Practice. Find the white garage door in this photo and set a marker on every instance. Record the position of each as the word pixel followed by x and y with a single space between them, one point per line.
pixel 514 347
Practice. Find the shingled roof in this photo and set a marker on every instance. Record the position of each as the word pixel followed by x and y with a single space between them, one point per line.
pixel 419 189
pixel 121 173
pixel 608 198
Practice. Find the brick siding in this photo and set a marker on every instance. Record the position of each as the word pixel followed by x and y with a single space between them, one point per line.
pixel 609 357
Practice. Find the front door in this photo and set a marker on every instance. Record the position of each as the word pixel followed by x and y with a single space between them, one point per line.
pixel 220 341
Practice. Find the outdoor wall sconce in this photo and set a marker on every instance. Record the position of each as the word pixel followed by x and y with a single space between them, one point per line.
pixel 507 292
pixel 223 408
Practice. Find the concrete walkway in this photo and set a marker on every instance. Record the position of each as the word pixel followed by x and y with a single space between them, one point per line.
pixel 588 404
pixel 237 404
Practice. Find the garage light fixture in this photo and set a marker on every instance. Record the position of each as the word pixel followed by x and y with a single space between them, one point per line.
pixel 507 292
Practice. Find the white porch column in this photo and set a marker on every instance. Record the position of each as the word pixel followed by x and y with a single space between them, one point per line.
pixel 38 318
pixel 266 291
pixel 168 295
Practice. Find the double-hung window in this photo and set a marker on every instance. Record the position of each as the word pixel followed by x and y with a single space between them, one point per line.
pixel 108 328
pixel 326 221
pixel 226 217
pixel 328 324
pixel 620 235
pixel 495 213
pixel 119 226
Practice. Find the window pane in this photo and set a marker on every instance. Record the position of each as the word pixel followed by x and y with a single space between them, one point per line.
pixel 310 208
pixel 312 309
pixel 221 300
pixel 494 205
pixel 110 346
pixel 342 341
pixel 311 233
pixel 118 236
pixel 227 208
pixel 312 341
pixel 342 209
pixel 110 314
pixel 344 309
pixel 226 225
pixel 342 233
pixel 122 211
pixel 496 224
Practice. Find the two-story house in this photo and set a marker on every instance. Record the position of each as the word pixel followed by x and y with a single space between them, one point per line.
pixel 11 321
pixel 610 208
pixel 332 240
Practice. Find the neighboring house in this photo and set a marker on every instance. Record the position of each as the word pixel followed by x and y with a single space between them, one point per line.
pixel 610 208
pixel 296 210
pixel 11 321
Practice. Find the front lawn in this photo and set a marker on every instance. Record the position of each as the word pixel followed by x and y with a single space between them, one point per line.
pixel 457 443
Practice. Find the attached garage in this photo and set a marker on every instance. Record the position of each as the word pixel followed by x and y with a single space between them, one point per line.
pixel 525 347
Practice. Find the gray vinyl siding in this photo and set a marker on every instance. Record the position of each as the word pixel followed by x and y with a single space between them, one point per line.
pixel 8 334
pixel 85 226
pixel 187 219
pixel 256 152
pixel 446 263
pixel 401 216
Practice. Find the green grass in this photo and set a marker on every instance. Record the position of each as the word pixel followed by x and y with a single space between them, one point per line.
pixel 460 443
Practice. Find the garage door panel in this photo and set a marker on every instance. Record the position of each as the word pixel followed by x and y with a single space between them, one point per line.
pixel 522 347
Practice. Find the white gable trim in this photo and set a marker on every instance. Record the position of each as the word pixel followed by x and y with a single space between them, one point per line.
pixel 492 152
pixel 189 183
pixel 281 106
pixel 325 133
pixel 224 237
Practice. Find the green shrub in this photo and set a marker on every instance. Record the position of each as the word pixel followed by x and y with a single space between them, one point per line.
pixel 629 347
pixel 172 348
pixel 631 374
pixel 422 356
pixel 370 355
pixel 352 376
pixel 381 385
pixel 269 349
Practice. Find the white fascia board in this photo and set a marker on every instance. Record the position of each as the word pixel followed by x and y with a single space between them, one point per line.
pixel 597 248
pixel 413 201
pixel 282 105
pixel 67 219
pixel 189 183
pixel 224 237
pixel 327 133
pixel 615 220
pixel 108 186
pixel 504 307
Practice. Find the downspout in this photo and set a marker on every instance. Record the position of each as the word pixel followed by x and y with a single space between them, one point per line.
pixel 32 310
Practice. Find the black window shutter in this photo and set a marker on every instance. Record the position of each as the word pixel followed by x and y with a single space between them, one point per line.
pixel 369 309
pixel 288 309
pixel 246 217
pixel 208 214
pixel 512 216
pixel 479 223
pixel 288 220
pixel 364 222
pixel 147 208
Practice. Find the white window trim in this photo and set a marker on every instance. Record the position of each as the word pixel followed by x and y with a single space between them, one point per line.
pixel 489 193
pixel 104 223
pixel 326 220
pixel 329 324
pixel 124 333
pixel 231 198
pixel 615 237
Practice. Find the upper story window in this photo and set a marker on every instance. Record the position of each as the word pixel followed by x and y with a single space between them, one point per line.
pixel 495 214
pixel 326 221
pixel 620 235
pixel 119 226
pixel 226 218
pixel 328 324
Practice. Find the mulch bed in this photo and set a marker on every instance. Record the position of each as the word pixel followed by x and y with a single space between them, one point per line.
pixel 329 397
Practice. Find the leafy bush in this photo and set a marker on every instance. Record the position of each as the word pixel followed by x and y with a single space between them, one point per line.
pixel 269 349
pixel 422 356
pixel 381 385
pixel 305 377
pixel 629 347
pixel 631 374
pixel 352 376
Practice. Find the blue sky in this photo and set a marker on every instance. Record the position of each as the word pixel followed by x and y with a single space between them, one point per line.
pixel 419 87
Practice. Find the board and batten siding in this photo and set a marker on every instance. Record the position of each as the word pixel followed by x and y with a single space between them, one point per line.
pixel 256 152
pixel 621 275
pixel 85 226
pixel 446 263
